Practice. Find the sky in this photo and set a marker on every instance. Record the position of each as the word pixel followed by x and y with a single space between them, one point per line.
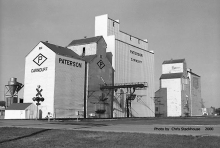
pixel 174 29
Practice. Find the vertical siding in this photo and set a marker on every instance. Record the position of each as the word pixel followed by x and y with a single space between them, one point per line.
pixel 196 107
pixel 69 88
pixel 45 79
pixel 127 71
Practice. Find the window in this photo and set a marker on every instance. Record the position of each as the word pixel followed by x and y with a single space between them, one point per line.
pixel 156 109
pixel 113 24
pixel 100 56
pixel 84 51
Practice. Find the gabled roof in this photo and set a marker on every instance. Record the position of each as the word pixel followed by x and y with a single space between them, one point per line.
pixel 62 51
pixel 160 89
pixel 171 76
pixel 18 106
pixel 174 61
pixel 193 74
pixel 85 41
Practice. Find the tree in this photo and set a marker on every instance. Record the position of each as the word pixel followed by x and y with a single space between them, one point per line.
pixel 217 111
pixel 2 103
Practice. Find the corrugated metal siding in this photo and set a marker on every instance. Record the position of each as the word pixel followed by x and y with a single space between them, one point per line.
pixel 128 38
pixel 127 71
pixel 113 28
pixel 69 88
pixel 45 79
pixel 196 95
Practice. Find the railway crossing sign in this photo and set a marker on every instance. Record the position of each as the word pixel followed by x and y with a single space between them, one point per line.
pixel 39 91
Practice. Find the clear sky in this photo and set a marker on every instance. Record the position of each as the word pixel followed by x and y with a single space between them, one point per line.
pixel 175 29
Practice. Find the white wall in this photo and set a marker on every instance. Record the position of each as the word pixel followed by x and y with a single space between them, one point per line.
pixel 90 49
pixel 44 78
pixel 14 114
pixel 173 96
pixel 101 25
pixel 110 40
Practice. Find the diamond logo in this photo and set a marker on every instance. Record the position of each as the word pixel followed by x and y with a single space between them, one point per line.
pixel 40 59
pixel 101 64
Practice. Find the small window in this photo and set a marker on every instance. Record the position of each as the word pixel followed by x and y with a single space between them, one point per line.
pixel 100 56
pixel 130 38
pixel 156 109
pixel 84 50
pixel 113 24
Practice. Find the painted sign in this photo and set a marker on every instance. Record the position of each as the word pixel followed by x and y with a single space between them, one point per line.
pixel 40 59
pixel 101 64
pixel 137 54
pixel 70 63
pixel 172 68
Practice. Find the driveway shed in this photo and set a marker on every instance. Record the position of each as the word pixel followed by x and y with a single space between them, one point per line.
pixel 21 111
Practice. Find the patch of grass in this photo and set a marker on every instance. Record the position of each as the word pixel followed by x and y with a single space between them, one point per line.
pixel 35 138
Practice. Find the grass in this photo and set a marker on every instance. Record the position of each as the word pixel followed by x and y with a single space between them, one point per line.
pixel 36 138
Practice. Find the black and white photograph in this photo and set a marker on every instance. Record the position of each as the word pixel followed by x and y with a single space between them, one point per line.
pixel 109 73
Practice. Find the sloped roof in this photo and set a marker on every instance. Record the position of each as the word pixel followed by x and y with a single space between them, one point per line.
pixel 62 51
pixel 171 76
pixel 18 106
pixel 85 40
pixel 174 61
pixel 109 56
pixel 193 74
pixel 160 89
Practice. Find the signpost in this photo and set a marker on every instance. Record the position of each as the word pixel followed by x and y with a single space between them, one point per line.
pixel 39 98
